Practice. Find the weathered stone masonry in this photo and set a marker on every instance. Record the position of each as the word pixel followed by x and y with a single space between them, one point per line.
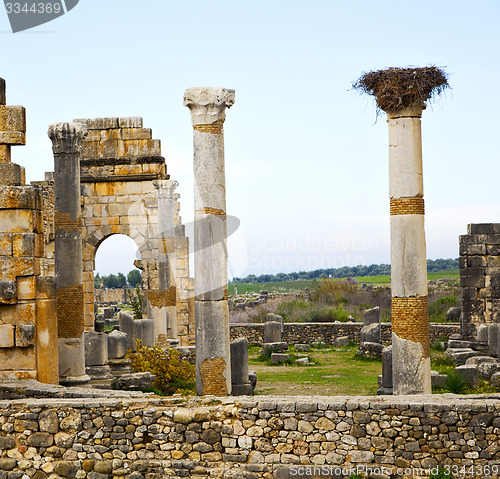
pixel 27 296
pixel 480 277
pixel 248 438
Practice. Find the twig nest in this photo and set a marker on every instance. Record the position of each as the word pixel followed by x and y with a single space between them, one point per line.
pixel 398 88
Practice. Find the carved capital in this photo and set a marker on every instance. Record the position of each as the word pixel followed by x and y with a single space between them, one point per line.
pixel 67 137
pixel 208 105
pixel 166 188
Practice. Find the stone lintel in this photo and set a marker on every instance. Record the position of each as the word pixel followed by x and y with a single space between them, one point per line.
pixel 67 137
pixel 208 104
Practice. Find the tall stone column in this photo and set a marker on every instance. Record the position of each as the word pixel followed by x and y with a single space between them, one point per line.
pixel 168 257
pixel 66 142
pixel 410 314
pixel 213 364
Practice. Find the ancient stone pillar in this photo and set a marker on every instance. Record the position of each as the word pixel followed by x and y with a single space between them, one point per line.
pixel 66 142
pixel 168 257
pixel 410 315
pixel 213 365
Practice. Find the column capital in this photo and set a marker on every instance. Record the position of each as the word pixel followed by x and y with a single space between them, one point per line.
pixel 414 111
pixel 67 137
pixel 166 188
pixel 208 104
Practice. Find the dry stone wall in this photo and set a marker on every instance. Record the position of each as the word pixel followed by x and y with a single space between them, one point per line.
pixel 328 332
pixel 248 437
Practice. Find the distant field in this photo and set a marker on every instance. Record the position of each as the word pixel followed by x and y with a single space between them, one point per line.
pixel 300 285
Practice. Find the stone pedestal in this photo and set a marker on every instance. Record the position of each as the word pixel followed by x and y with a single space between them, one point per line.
pixel 272 332
pixel 239 368
pixel 96 356
pixel 66 143
pixel 213 365
pixel 410 316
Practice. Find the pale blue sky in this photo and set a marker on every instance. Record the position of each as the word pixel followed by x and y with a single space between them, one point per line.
pixel 307 169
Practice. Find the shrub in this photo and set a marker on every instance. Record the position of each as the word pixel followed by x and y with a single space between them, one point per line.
pixel 441 474
pixel 172 374
pixel 439 307
pixel 456 383
pixel 136 301
pixel 331 291
pixel 326 315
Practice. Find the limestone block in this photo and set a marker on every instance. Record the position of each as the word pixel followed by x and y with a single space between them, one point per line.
pixel 26 244
pixel 371 333
pixel 21 313
pixel 239 361
pixel 99 123
pixel 109 148
pixel 272 332
pixel 117 344
pixel 45 287
pixel 25 335
pixel 387 367
pixel 46 341
pixel 12 138
pixel 130 122
pixel 136 134
pixel 12 118
pixel 16 359
pixel 96 349
pixel 91 149
pixel 5 153
pixel 11 267
pixel 371 316
pixel 274 347
pixel 26 287
pixel 135 381
pixel 138 148
pixel 96 135
pixel 17 197
pixel 341 342
pixel 5 243
pixel 109 135
pixel 19 221
pixel 492 339
pixel 470 373
pixel 11 173
pixel 277 358
pixel 128 170
pixel 7 336
pixel 71 358
pixel 8 292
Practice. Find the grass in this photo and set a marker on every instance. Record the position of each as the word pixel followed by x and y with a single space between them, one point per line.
pixel 301 285
pixel 337 372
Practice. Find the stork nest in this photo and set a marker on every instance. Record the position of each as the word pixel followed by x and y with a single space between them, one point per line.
pixel 397 88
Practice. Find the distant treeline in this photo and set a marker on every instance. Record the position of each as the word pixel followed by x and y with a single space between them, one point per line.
pixel 119 280
pixel 345 272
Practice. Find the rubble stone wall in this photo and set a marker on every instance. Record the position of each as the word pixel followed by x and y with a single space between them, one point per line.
pixel 246 438
pixel 327 332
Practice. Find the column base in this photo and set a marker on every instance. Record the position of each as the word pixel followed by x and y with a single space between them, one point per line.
pixel 74 380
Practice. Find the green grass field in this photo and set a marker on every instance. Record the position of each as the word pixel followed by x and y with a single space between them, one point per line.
pixel 301 285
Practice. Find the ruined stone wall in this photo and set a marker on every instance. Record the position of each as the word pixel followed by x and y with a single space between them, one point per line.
pixel 247 438
pixel 28 330
pixel 327 332
pixel 480 276
pixel 115 295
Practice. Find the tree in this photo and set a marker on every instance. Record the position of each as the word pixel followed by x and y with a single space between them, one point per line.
pixel 134 278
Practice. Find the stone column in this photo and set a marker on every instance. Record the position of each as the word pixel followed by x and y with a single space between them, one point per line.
pixel 168 257
pixel 66 142
pixel 213 365
pixel 410 316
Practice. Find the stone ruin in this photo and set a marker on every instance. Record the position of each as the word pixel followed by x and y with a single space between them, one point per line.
pixel 123 188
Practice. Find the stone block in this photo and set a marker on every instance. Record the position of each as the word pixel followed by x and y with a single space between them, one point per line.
pixel 387 367
pixel 7 336
pixel 96 348
pixel 26 244
pixel 12 174
pixel 482 333
pixel 492 339
pixel 438 380
pixel 45 287
pixel 5 243
pixel 472 249
pixel 277 358
pixel 486 369
pixel 5 154
pixel 274 347
pixel 341 342
pixel 91 149
pixel 135 381
pixel 302 347
pixel 482 229
pixel 25 335
pixel 302 361
pixel 477 281
pixel 459 344
pixel 144 330
pixel 12 118
pixel 17 359
pixel 493 262
pixel 21 313
pixel 139 148
pixel 130 122
pixel 99 123
pixel 453 314
pixel 271 317
pixel 371 333
pixel 17 197
pixel 117 345
pixel 136 134
pixel 370 350
pixel 12 137
pixel 239 361
pixel 272 332
pixel 46 341
pixel 371 316
pixel 8 292
pixel 19 221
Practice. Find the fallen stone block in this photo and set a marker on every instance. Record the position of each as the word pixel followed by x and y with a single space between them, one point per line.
pixel 302 347
pixel 459 358
pixel 438 379
pixel 134 381
pixel 302 361
pixel 341 342
pixel 370 350
pixel 457 344
pixel 274 347
pixel 477 360
pixel 486 370
pixel 277 358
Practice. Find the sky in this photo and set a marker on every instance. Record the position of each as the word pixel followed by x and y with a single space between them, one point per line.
pixel 306 156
